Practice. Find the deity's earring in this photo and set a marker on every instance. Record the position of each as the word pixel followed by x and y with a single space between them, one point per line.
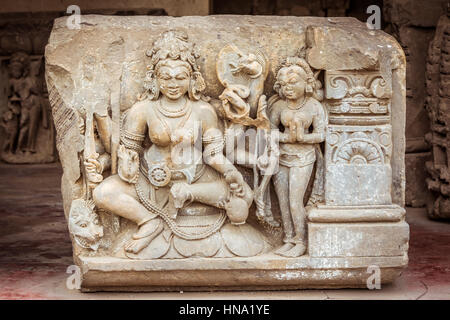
pixel 196 86
pixel 152 85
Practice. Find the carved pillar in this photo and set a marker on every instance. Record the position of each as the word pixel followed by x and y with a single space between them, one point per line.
pixel 358 172
pixel 358 146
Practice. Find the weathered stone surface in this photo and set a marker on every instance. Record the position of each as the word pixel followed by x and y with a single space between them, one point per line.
pixel 127 90
pixel 437 104
pixel 406 21
pixel 367 146
pixel 358 239
pixel 107 274
pixel 28 131
pixel 417 193
pixel 371 213
pixel 414 12
pixel 415 43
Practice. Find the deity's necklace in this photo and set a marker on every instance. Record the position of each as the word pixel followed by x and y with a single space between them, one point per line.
pixel 173 113
pixel 299 106
pixel 187 110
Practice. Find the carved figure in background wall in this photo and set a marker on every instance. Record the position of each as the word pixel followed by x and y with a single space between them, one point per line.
pixel 172 201
pixel 25 94
pixel 304 119
pixel 10 122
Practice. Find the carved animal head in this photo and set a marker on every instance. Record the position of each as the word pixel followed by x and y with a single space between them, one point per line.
pixel 247 64
pixel 84 224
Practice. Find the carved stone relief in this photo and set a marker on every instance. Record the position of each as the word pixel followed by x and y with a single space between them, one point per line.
pixel 359 138
pixel 358 154
pixel 26 119
pixel 223 158
pixel 437 101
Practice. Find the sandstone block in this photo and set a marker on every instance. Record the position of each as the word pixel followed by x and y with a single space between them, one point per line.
pixel 358 239
pixel 170 129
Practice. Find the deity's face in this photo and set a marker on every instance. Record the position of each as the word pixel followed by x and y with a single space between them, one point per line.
pixel 173 78
pixel 292 82
pixel 16 70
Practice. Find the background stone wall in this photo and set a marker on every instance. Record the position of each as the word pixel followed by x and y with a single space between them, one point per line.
pixel 413 24
pixel 26 25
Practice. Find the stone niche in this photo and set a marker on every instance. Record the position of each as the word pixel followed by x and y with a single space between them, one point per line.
pixel 28 134
pixel 325 99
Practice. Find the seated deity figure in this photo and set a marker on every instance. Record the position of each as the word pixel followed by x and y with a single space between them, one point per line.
pixel 297 109
pixel 184 201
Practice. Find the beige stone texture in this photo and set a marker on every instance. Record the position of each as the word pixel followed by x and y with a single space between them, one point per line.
pixel 371 213
pixel 105 274
pixel 358 239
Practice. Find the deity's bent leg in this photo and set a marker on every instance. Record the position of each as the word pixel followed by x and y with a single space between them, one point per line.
pixel 280 181
pixel 298 183
pixel 120 197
